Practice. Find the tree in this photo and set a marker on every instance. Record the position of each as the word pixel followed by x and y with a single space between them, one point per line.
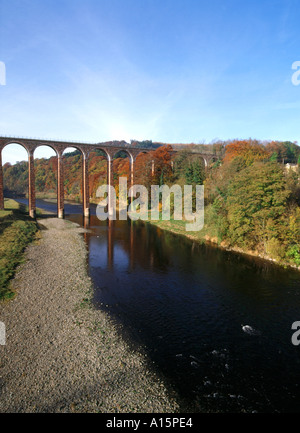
pixel 256 202
pixel 286 151
pixel 162 162
pixel 248 149
pixel 195 173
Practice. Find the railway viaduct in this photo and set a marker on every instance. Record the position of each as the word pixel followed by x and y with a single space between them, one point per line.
pixel 59 147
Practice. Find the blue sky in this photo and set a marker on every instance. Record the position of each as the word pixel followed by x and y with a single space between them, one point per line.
pixel 176 71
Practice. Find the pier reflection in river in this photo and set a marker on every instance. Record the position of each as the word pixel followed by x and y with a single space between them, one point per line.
pixel 186 303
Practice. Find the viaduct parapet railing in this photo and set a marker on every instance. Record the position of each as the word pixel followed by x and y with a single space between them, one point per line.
pixel 59 147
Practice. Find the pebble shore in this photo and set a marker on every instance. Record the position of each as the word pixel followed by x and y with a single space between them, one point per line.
pixel 61 354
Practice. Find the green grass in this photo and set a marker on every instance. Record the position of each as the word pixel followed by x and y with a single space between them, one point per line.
pixel 17 230
pixel 10 206
pixel 179 227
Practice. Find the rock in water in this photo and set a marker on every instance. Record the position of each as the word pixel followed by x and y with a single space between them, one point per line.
pixel 249 330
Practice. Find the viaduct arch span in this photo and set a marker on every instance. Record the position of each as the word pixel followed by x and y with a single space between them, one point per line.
pixel 30 145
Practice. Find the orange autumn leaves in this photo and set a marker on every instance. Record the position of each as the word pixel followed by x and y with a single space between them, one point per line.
pixel 253 150
pixel 161 158
pixel 249 150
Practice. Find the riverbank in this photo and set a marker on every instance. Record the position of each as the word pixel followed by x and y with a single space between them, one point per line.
pixel 178 227
pixel 17 230
pixel 61 354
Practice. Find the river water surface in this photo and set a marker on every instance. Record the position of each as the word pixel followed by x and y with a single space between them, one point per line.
pixel 186 304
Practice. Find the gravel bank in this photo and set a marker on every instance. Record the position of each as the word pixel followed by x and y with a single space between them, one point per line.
pixel 61 354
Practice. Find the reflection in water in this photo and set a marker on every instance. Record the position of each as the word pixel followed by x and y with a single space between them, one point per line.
pixel 186 304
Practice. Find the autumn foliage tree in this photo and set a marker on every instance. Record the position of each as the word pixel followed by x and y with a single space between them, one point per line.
pixel 283 151
pixel 160 160
pixel 249 150
pixel 256 202
pixel 252 202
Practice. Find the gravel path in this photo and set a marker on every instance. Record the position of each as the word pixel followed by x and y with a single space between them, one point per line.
pixel 62 355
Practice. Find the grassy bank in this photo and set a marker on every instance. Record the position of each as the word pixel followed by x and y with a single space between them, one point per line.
pixel 209 235
pixel 178 227
pixel 17 230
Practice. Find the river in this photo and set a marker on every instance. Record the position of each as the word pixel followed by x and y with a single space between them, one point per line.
pixel 186 305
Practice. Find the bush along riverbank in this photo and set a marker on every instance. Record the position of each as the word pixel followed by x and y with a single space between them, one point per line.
pixel 255 207
pixel 17 230
pixel 178 228
pixel 251 206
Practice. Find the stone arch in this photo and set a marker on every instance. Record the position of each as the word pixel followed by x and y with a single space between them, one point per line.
pixel 139 165
pixel 76 192
pixel 94 148
pixel 140 151
pixel 131 161
pixel 40 181
pixel 96 174
pixel 54 148
pixel 27 151
pixel 73 146
pixel 25 146
pixel 130 155
pixel 84 152
pixel 203 159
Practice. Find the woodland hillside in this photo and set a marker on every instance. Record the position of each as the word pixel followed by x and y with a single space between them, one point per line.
pixel 252 189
